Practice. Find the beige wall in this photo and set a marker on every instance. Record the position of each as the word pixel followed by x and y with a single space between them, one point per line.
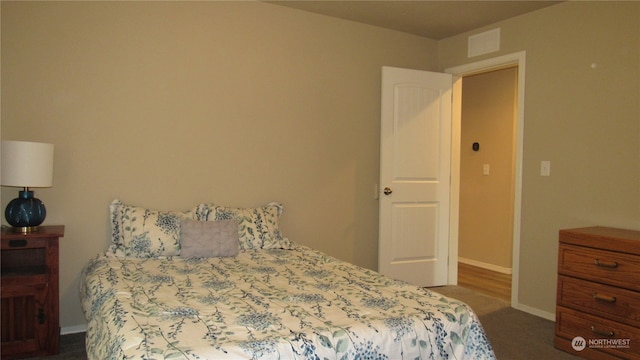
pixel 582 113
pixel 486 200
pixel 168 104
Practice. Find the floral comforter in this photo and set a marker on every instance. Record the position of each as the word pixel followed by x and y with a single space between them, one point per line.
pixel 268 304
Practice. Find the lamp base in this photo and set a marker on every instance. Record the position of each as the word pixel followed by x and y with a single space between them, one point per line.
pixel 25 212
pixel 25 229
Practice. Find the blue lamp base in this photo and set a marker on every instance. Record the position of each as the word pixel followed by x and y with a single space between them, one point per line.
pixel 25 212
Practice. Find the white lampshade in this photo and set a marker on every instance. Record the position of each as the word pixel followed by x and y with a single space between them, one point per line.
pixel 26 164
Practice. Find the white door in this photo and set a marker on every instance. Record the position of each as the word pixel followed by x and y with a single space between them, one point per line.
pixel 415 162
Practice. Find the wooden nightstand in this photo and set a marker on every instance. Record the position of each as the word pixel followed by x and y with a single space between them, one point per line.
pixel 29 291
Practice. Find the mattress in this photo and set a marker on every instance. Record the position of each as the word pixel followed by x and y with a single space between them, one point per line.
pixel 297 303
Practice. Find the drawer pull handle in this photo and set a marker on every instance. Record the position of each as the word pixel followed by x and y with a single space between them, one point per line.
pixel 602 332
pixel 41 316
pixel 605 298
pixel 608 265
pixel 17 243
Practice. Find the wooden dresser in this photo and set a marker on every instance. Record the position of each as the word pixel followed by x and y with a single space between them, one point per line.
pixel 598 298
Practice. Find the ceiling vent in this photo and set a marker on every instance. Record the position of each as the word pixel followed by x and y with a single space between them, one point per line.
pixel 484 43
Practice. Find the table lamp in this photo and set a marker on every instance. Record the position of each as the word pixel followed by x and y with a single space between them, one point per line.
pixel 26 165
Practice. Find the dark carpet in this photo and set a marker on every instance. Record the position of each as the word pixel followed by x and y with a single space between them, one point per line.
pixel 514 334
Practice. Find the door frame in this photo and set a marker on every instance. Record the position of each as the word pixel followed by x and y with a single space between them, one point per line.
pixel 458 72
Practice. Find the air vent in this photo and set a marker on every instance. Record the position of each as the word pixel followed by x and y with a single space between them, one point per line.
pixel 484 43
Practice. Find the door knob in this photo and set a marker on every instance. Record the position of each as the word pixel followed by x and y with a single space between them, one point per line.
pixel 387 191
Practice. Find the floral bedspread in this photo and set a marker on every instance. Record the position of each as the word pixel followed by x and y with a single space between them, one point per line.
pixel 268 304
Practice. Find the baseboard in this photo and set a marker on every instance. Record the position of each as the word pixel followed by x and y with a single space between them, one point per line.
pixel 537 312
pixel 73 329
pixel 483 265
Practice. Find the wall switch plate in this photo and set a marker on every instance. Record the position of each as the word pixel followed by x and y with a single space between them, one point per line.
pixel 485 169
pixel 545 168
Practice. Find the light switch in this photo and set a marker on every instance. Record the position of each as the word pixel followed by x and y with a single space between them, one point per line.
pixel 485 169
pixel 545 168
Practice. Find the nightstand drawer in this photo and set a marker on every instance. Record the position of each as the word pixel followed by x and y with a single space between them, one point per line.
pixel 601 300
pixel 599 334
pixel 600 265
pixel 24 242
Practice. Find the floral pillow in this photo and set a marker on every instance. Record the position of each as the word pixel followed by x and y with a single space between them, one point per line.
pixel 142 233
pixel 258 228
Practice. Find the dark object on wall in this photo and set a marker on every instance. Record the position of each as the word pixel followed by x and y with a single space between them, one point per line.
pixel 475 146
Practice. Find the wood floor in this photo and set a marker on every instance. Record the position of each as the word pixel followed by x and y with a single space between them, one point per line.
pixel 485 281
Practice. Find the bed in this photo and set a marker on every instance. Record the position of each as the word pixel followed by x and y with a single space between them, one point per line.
pixel 255 295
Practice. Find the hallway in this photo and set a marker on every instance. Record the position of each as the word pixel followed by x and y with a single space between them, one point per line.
pixel 488 282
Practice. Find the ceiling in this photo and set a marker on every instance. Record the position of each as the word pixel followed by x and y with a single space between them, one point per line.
pixel 432 19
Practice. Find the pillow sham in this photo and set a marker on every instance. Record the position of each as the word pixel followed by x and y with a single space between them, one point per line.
pixel 258 228
pixel 203 239
pixel 142 233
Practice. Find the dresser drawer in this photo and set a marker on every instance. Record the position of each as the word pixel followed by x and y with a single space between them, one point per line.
pixel 600 334
pixel 600 265
pixel 607 301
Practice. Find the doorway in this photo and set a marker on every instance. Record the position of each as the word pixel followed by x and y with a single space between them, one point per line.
pixel 516 60
pixel 486 181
